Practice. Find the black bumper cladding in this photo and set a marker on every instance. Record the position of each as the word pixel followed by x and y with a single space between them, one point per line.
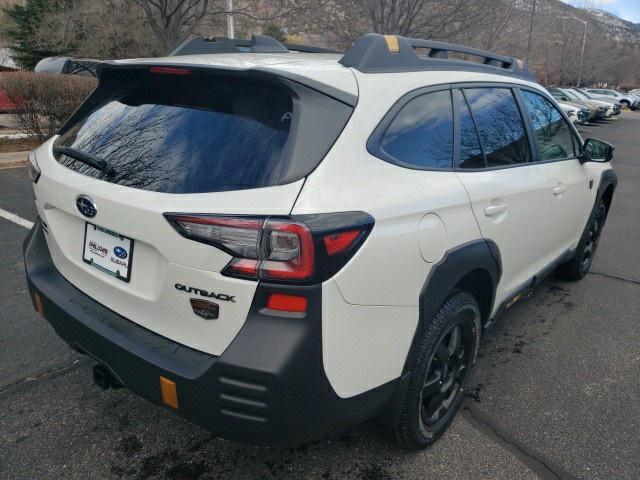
pixel 267 388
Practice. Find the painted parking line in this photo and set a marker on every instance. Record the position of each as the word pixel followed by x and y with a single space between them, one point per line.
pixel 12 217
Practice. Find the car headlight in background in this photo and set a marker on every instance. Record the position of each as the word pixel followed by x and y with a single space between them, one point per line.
pixel 34 168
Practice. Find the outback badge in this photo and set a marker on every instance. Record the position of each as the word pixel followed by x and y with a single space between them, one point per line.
pixel 205 309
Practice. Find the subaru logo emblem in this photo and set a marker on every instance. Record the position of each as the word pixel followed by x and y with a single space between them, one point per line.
pixel 120 252
pixel 86 206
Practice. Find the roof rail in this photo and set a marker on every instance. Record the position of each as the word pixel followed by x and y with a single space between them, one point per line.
pixel 257 44
pixel 388 53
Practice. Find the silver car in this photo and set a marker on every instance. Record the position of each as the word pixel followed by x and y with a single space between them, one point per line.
pixel 613 107
pixel 629 101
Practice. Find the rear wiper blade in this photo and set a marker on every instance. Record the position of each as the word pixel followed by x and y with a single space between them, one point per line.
pixel 84 157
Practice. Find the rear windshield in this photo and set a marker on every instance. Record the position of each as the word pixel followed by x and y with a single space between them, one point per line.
pixel 188 134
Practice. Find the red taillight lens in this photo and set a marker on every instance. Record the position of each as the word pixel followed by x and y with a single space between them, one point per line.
pixel 289 253
pixel 339 242
pixel 263 248
pixel 287 303
pixel 304 249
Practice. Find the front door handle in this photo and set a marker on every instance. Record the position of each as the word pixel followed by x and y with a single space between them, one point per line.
pixel 493 210
pixel 559 189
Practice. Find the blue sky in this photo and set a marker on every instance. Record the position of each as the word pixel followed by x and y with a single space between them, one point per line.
pixel 626 9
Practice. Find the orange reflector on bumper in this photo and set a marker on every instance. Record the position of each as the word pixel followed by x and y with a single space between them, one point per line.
pixel 38 303
pixel 169 392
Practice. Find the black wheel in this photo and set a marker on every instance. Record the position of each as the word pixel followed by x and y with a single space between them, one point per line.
pixel 579 265
pixel 440 373
pixel 625 104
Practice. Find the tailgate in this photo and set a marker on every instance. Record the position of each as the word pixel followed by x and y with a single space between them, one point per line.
pixel 163 263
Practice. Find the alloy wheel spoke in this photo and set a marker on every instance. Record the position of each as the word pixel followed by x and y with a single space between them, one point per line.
pixel 446 374
pixel 460 371
pixel 454 340
pixel 434 404
pixel 442 353
pixel 431 385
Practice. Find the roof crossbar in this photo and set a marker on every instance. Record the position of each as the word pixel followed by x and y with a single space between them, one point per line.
pixel 374 52
pixel 257 44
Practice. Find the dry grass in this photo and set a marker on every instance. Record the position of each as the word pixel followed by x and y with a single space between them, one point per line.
pixel 18 144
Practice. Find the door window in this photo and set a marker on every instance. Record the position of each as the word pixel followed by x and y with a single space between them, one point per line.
pixel 502 132
pixel 553 133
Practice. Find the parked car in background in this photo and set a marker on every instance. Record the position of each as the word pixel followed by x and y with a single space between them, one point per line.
pixel 601 107
pixel 609 105
pixel 629 101
pixel 596 112
pixel 617 106
pixel 577 114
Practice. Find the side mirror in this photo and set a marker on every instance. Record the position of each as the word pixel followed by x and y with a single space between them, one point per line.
pixel 595 151
pixel 564 99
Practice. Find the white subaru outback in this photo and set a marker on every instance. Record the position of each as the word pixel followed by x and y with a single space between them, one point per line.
pixel 278 243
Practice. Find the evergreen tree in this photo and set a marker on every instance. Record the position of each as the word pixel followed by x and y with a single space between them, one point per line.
pixel 24 22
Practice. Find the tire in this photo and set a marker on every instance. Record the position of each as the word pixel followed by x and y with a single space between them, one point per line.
pixel 440 373
pixel 579 265
pixel 625 104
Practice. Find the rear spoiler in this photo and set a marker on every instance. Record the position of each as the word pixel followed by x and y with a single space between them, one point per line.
pixel 110 71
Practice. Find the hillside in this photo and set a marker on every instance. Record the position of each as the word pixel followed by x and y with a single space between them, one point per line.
pixel 617 28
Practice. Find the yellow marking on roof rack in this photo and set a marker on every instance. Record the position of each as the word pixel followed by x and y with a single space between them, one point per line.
pixel 392 43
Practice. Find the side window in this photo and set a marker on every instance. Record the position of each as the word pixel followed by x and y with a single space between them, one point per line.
pixel 470 149
pixel 555 139
pixel 502 133
pixel 421 134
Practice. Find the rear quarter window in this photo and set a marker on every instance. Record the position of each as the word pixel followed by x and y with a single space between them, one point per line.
pixel 420 135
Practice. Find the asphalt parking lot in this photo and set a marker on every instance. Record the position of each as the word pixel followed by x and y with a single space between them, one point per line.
pixel 556 393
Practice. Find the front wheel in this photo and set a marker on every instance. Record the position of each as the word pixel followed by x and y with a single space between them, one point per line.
pixel 440 373
pixel 579 265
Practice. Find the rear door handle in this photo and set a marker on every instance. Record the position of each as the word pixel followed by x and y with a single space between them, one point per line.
pixel 559 189
pixel 492 210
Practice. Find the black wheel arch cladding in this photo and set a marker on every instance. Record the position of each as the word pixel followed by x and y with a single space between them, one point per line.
pixel 607 187
pixel 442 282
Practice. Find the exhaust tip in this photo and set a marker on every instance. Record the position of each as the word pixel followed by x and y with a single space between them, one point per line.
pixel 103 378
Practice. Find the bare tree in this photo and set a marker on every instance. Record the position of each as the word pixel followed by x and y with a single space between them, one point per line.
pixel 173 21
pixel 81 29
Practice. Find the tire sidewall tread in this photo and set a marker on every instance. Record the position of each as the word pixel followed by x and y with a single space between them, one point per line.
pixel 410 433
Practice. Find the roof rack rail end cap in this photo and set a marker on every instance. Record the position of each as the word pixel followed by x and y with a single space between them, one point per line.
pixel 374 51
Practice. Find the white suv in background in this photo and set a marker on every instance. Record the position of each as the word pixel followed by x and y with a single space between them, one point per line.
pixel 278 243
pixel 628 101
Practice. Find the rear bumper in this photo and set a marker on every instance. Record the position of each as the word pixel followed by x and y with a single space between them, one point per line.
pixel 267 388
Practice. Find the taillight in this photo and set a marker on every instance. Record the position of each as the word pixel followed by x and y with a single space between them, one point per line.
pixel 300 249
pixel 339 242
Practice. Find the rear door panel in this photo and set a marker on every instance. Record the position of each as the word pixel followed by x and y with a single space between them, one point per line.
pixel 520 231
